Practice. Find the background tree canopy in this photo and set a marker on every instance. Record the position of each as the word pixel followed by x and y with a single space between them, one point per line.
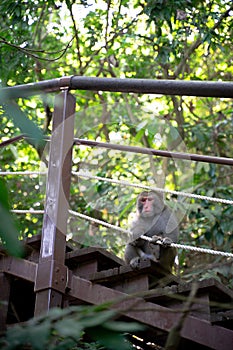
pixel 190 40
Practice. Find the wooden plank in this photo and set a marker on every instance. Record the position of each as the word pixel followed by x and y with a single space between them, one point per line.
pixel 214 287
pixel 223 316
pixel 86 268
pixel 146 267
pixel 19 268
pixel 4 299
pixel 106 260
pixel 137 284
pixel 153 315
pixel 33 242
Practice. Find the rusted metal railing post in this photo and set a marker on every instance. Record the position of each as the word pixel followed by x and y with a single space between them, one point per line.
pixel 51 277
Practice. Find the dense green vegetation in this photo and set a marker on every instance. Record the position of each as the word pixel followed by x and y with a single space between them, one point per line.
pixel 184 40
pixel 127 39
pixel 148 39
pixel 64 329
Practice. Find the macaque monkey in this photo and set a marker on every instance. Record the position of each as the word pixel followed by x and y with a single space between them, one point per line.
pixel 156 220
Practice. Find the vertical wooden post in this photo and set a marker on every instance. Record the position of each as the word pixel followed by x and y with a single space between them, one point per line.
pixel 51 277
pixel 4 298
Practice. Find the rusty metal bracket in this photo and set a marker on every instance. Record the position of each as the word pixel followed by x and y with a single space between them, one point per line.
pixel 51 274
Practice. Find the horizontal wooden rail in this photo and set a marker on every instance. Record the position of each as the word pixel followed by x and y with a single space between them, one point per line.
pixel 152 86
pixel 161 153
pixel 143 86
pixel 137 149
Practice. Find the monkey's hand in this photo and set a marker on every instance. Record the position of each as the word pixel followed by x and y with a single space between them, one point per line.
pixel 145 256
pixel 155 239
pixel 135 262
pixel 166 241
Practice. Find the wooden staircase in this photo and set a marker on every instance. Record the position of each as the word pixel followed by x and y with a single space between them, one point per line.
pixel 94 276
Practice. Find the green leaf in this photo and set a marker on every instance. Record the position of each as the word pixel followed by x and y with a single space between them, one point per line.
pixel 139 135
pixel 26 126
pixel 8 230
pixel 219 239
pixel 4 198
pixel 67 327
pixel 36 336
pixel 126 208
pixel 98 318
pixel 123 326
pixel 109 339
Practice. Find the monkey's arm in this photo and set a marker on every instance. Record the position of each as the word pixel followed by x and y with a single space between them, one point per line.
pixel 167 234
pixel 135 251
pixel 131 255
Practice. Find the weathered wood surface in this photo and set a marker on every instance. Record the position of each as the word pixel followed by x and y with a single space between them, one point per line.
pixel 94 275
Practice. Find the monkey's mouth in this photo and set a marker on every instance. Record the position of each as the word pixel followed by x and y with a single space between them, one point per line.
pixel 147 212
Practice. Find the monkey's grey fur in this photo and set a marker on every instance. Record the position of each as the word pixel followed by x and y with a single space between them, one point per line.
pixel 161 222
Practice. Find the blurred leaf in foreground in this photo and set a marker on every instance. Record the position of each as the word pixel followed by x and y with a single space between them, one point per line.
pixel 8 230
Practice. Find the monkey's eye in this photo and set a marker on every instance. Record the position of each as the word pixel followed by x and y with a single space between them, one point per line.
pixel 144 199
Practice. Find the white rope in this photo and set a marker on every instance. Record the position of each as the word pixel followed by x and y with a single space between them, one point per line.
pixel 188 247
pixel 126 183
pixel 74 213
pixel 103 223
pixel 30 211
pixel 7 173
pixel 100 222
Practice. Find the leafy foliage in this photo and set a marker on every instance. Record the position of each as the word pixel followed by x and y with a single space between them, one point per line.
pixel 160 39
pixel 138 39
pixel 68 329
pixel 8 230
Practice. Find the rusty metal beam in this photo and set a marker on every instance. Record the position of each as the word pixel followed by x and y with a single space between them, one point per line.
pixel 50 286
pixel 159 317
pixel 142 86
pixel 161 153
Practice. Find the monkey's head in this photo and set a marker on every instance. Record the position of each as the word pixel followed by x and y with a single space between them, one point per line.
pixel 149 204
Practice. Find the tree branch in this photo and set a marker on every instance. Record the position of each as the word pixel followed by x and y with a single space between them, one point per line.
pixel 174 336
pixel 30 53
pixel 199 41
pixel 76 36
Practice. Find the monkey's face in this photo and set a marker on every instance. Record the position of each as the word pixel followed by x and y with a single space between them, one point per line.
pixel 149 204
